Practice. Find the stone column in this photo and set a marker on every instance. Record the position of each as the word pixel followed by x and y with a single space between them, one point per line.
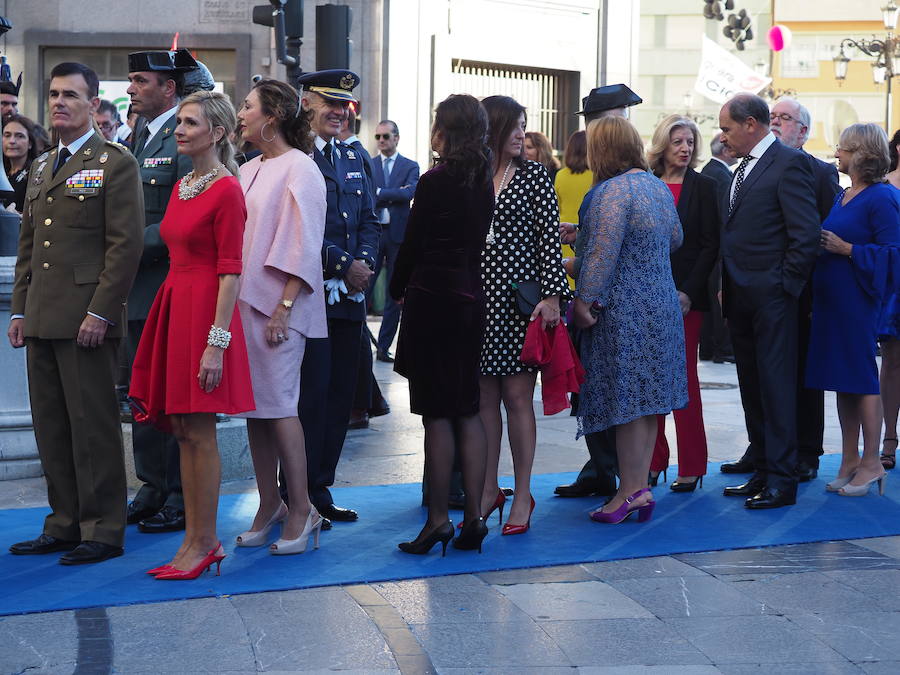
pixel 18 451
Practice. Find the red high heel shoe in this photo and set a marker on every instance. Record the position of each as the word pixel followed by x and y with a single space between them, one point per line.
pixel 499 503
pixel 175 574
pixel 509 528
pixel 160 569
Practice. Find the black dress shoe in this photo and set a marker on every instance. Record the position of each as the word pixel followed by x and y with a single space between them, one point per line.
pixel 750 488
pixel 136 512
pixel 333 512
pixel 91 552
pixel 169 519
pixel 361 422
pixel 43 544
pixel 771 498
pixel 576 489
pixel 743 465
pixel 805 471
pixel 380 411
pixel 326 524
pixel 384 357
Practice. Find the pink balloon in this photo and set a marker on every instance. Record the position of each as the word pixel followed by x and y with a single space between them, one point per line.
pixel 779 37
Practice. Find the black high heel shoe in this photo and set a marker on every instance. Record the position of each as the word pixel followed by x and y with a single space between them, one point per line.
pixel 653 478
pixel 471 535
pixel 686 487
pixel 442 533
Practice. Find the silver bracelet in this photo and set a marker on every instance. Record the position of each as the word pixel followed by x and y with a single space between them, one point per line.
pixel 218 337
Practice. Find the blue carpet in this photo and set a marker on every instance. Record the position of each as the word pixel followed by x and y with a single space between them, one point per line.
pixel 366 551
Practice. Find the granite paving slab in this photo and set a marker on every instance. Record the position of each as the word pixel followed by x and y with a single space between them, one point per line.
pixel 743 561
pixel 24 646
pixel 457 599
pixel 620 642
pixel 203 635
pixel 804 592
pixel 347 637
pixel 886 545
pixel 573 601
pixel 881 585
pixel 478 644
pixel 752 639
pixel 642 568
pixel 858 636
pixel 688 596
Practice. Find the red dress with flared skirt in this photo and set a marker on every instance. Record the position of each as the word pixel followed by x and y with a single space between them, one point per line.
pixel 204 236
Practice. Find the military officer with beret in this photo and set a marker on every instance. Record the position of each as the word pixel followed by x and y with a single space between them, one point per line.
pixel 79 246
pixel 156 81
pixel 328 376
pixel 598 476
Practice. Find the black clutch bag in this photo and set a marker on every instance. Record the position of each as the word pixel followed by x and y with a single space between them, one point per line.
pixel 528 295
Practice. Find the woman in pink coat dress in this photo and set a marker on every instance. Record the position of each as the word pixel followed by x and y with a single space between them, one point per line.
pixel 282 302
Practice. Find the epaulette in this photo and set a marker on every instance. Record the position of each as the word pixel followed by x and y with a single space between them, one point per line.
pixel 116 144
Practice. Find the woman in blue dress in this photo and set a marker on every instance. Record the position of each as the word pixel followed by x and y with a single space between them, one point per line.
pixel 852 276
pixel 634 352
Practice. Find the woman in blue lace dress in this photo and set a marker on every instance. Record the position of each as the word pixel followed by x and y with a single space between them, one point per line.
pixel 634 355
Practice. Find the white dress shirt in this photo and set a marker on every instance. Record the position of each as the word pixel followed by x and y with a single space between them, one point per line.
pixel 156 124
pixel 758 151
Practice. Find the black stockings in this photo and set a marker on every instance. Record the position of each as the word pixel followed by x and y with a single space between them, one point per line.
pixel 443 436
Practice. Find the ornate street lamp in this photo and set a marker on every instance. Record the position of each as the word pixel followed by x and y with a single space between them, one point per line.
pixel 884 50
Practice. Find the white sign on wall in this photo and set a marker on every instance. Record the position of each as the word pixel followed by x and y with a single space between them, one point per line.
pixel 722 74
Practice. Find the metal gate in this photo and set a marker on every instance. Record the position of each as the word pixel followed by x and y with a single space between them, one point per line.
pixel 549 96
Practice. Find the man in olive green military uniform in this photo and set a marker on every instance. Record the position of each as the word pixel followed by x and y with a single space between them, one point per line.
pixel 156 81
pixel 79 246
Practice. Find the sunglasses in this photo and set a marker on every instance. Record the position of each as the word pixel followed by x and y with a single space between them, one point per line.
pixel 386 137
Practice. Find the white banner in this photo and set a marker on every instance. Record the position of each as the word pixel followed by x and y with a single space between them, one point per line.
pixel 115 91
pixel 722 74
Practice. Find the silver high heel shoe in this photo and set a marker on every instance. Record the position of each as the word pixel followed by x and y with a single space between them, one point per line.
pixel 252 538
pixel 313 526
pixel 838 483
pixel 861 490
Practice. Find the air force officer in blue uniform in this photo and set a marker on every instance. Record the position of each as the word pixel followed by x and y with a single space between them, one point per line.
pixel 328 375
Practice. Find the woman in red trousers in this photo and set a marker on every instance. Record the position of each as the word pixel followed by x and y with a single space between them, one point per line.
pixel 672 156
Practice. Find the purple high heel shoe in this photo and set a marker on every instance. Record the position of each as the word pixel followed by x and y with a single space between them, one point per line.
pixel 645 511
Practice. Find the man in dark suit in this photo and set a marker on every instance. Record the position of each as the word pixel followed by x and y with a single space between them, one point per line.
pixel 156 81
pixel 715 343
pixel 598 475
pixel 790 122
pixel 79 246
pixel 395 179
pixel 770 240
pixel 329 372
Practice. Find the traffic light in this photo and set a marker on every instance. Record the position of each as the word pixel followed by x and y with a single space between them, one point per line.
pixel 286 18
pixel 333 44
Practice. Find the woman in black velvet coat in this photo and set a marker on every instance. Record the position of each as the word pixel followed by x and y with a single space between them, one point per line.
pixel 437 276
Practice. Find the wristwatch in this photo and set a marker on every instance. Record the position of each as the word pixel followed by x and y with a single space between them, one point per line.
pixel 287 304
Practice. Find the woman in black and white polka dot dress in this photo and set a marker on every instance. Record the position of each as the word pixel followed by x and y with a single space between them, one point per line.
pixel 522 245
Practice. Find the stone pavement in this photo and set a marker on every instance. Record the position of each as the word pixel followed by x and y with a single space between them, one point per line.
pixel 811 608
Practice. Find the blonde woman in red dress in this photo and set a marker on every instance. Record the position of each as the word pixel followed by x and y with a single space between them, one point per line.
pixel 192 360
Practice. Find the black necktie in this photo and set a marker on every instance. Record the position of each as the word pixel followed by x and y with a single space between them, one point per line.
pixel 739 180
pixel 64 154
pixel 142 139
pixel 328 151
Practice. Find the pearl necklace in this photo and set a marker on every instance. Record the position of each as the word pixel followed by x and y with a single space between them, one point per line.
pixel 490 235
pixel 186 191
